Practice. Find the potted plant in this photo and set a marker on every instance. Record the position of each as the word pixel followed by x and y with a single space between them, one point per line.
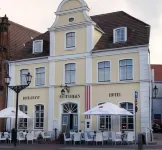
pixel 40 138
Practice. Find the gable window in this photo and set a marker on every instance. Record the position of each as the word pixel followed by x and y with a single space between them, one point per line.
pixel 127 122
pixel 23 121
pixel 104 71
pixel 37 46
pixel 126 69
pixel 23 74
pixel 39 116
pixel 70 40
pixel 104 121
pixel 120 35
pixel 40 76
pixel 70 72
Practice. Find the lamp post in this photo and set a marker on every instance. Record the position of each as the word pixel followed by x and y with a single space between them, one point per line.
pixel 154 94
pixel 17 89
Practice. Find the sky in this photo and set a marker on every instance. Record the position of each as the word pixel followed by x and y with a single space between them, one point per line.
pixel 39 15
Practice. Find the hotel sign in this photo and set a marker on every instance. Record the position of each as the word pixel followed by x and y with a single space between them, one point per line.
pixel 30 97
pixel 70 96
pixel 114 94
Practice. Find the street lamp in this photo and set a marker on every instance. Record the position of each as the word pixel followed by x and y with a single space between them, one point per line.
pixel 155 91
pixel 17 89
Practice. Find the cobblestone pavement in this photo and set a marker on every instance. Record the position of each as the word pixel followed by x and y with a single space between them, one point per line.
pixel 71 147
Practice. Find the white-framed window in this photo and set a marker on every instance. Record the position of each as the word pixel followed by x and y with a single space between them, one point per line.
pixel 127 122
pixel 104 121
pixel 37 46
pixel 23 74
pixel 120 35
pixel 23 122
pixel 104 71
pixel 40 76
pixel 70 40
pixel 70 73
pixel 126 69
pixel 39 116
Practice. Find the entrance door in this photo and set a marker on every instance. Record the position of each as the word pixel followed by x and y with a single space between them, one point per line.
pixel 70 116
pixel 65 123
pixel 75 122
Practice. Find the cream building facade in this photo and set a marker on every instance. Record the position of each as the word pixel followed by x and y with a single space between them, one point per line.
pixel 80 62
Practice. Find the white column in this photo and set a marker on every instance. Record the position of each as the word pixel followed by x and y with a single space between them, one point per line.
pixel 11 93
pixel 52 43
pixel 51 95
pixel 90 46
pixel 90 38
pixel 144 89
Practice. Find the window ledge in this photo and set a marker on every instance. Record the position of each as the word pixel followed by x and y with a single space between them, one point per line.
pixel 71 48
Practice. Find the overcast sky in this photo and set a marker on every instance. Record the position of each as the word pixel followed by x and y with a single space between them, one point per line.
pixel 39 15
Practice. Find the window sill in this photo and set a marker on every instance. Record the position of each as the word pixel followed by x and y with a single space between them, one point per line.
pixel 127 80
pixel 71 48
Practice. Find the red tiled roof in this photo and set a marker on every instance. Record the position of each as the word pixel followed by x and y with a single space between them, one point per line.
pixel 19 35
pixel 157 72
pixel 138 34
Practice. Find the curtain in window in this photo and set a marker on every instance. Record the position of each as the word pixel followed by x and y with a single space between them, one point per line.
pixel 70 73
pixel 39 116
pixel 70 40
pixel 104 71
pixel 126 69
pixel 40 76
pixel 23 74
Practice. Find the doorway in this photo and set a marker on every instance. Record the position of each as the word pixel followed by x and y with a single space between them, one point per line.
pixel 70 117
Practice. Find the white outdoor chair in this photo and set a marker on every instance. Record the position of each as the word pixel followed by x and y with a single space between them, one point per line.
pixel 36 133
pixel 72 134
pixel 77 137
pixel 47 135
pixel 20 137
pixel 117 138
pixel 30 137
pixel 130 138
pixel 2 138
pixel 82 136
pixel 69 139
pixel 105 136
pixel 99 138
pixel 88 138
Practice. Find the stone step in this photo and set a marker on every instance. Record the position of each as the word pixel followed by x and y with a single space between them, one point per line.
pixel 152 143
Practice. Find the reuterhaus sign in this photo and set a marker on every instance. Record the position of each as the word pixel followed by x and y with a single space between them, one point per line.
pixel 70 96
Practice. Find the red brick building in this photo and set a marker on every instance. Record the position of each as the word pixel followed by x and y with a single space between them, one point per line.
pixel 12 39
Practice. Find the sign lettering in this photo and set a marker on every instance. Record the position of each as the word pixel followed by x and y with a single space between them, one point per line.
pixel 30 97
pixel 114 94
pixel 70 96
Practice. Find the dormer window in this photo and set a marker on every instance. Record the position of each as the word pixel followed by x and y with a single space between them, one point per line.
pixel 37 46
pixel 120 35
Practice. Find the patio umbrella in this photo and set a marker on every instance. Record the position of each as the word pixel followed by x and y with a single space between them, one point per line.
pixel 108 109
pixel 10 112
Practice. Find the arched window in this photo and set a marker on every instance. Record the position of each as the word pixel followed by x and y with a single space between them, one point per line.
pixel 23 121
pixel 70 40
pixel 70 108
pixel 39 116
pixel 127 122
pixel 104 121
